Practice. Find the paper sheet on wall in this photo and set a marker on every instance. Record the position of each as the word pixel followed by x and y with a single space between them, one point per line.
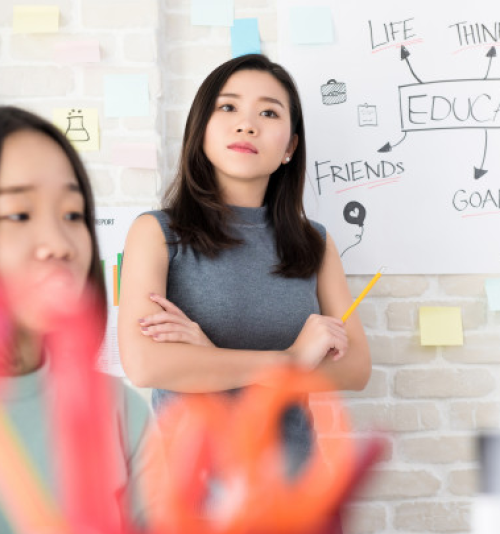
pixel 126 95
pixel 492 286
pixel 440 326
pixel 402 126
pixel 78 51
pixel 35 19
pixel 112 224
pixel 245 37
pixel 212 12
pixel 80 125
pixel 137 155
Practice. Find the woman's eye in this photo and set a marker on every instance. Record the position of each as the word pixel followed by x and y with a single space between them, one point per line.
pixel 15 217
pixel 269 113
pixel 227 107
pixel 74 216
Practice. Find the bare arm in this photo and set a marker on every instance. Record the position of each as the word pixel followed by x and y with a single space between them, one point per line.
pixel 173 365
pixel 351 371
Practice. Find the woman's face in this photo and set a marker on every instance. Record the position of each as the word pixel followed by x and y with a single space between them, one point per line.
pixel 248 135
pixel 45 245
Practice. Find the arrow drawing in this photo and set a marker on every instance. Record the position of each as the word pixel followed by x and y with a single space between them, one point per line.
pixel 491 54
pixel 388 146
pixel 481 172
pixel 405 54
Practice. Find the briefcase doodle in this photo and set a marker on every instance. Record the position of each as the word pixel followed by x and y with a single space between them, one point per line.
pixel 333 92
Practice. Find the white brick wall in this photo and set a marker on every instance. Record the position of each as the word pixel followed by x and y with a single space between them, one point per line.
pixel 430 401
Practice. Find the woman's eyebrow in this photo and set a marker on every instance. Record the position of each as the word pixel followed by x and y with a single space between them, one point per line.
pixel 16 189
pixel 262 98
pixel 20 189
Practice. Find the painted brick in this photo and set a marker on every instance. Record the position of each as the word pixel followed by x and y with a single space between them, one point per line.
pixel 394 485
pixel 35 81
pixel 477 348
pixel 475 415
pixel 364 519
pixel 463 285
pixel 400 417
pixel 399 350
pixel 139 183
pixel 140 47
pixel 464 482
pixel 432 517
pixel 442 449
pixel 443 383
pixel 127 14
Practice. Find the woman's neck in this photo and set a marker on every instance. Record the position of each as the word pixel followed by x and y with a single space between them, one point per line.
pixel 23 356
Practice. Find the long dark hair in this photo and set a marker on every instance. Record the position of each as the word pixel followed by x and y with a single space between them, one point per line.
pixel 13 120
pixel 197 212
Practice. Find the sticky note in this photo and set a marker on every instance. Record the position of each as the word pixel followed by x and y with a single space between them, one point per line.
pixel 245 37
pixel 212 12
pixel 311 25
pixel 80 125
pixel 492 286
pixel 67 52
pixel 139 155
pixel 126 95
pixel 441 326
pixel 35 19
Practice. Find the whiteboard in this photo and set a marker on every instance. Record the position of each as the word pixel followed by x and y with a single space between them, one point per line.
pixel 402 118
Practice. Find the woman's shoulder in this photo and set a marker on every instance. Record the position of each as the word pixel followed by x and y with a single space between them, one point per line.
pixel 318 227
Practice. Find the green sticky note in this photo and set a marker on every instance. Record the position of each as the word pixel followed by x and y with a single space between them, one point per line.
pixel 441 326
pixel 311 25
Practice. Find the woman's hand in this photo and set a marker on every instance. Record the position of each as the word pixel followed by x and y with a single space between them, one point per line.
pixel 172 325
pixel 320 337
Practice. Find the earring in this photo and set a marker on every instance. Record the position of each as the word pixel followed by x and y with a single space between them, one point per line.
pixel 287 159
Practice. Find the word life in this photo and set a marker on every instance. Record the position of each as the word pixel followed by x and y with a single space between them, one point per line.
pixel 390 32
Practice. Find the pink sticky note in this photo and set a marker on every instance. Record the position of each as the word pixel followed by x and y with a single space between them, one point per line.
pixel 141 155
pixel 77 52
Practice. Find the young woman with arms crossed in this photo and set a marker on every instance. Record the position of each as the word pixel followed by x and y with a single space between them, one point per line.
pixel 230 278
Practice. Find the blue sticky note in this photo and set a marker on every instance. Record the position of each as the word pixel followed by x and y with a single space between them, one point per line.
pixel 245 37
pixel 212 12
pixel 311 25
pixel 126 95
pixel 492 286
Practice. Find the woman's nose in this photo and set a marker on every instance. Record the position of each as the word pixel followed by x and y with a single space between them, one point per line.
pixel 246 125
pixel 54 243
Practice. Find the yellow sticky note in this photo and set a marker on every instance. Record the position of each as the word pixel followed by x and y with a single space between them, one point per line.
pixel 80 125
pixel 441 325
pixel 35 19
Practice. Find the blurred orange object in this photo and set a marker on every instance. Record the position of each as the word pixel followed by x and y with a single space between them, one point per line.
pixel 226 472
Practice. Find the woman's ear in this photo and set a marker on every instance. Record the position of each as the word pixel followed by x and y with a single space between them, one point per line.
pixel 294 141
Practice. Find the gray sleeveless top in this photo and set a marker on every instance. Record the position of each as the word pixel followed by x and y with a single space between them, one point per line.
pixel 239 304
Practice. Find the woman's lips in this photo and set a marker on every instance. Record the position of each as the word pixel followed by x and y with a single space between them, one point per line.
pixel 246 148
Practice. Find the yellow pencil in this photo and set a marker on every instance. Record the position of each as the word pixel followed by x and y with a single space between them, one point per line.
pixel 362 295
